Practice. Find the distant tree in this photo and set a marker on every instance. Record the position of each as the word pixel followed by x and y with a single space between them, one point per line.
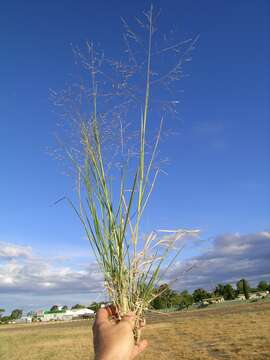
pixel 1 311
pixel 243 287
pixel 246 289
pixel 174 299
pixel 228 292
pixel 253 290
pixel 186 300
pixel 54 308
pixel 94 306
pixel 77 306
pixel 16 314
pixel 263 285
pixel 219 290
pixel 200 294
pixel 166 298
pixel 5 319
pixel 240 286
pixel 65 307
pixel 158 303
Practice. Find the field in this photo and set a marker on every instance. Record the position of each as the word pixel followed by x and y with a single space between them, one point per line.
pixel 239 331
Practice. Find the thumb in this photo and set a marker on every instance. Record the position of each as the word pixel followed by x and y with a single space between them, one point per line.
pixel 139 348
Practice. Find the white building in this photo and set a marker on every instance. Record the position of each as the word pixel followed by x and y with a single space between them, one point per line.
pixel 24 320
pixel 64 315
pixel 254 296
pixel 258 295
pixel 81 313
pixel 213 300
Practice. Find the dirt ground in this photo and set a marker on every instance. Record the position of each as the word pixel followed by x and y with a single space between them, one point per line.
pixel 240 331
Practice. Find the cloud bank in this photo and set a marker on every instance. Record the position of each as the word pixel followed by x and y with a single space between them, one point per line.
pixel 21 271
pixel 227 259
pixel 10 251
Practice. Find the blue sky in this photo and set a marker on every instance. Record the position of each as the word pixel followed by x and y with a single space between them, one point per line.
pixel 219 173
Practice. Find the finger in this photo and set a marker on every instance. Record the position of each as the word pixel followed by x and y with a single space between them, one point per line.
pixel 139 348
pixel 111 309
pixel 103 315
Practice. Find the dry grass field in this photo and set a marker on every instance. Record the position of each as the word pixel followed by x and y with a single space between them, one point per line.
pixel 240 331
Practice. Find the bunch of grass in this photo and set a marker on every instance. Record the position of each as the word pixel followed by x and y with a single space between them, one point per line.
pixel 132 266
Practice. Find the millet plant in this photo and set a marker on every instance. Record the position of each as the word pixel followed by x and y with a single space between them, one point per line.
pixel 115 161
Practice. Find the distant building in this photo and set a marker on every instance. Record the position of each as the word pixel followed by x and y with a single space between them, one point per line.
pixel 24 320
pixel 254 296
pixel 85 312
pixel 213 300
pixel 64 315
pixel 258 295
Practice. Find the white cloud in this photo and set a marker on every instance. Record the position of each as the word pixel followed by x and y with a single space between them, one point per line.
pixel 8 250
pixel 21 271
pixel 230 257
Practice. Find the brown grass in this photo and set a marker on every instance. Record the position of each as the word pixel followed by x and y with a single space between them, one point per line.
pixel 224 332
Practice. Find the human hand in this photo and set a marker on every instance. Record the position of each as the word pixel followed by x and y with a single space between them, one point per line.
pixel 115 340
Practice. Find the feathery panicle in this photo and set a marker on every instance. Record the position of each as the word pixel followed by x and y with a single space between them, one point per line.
pixel 111 218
